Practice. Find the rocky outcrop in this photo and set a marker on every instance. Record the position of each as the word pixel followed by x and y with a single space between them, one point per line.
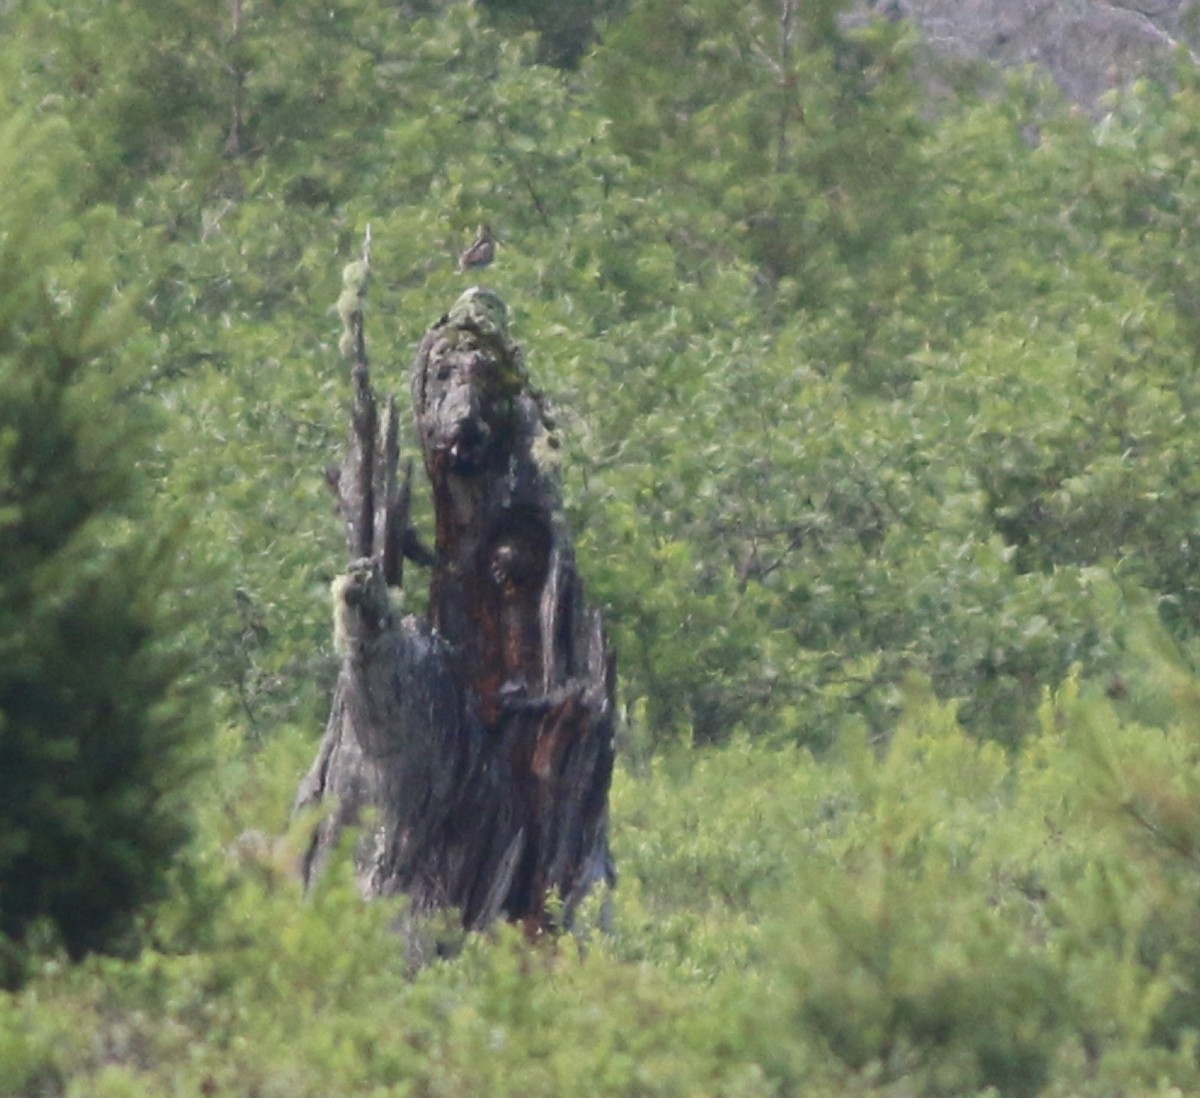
pixel 1088 47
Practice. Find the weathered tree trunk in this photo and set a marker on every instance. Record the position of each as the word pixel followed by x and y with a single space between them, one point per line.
pixel 474 749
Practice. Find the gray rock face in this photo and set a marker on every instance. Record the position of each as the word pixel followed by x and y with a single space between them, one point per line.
pixel 1087 46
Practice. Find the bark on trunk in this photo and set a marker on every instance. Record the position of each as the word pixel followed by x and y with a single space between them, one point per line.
pixel 474 749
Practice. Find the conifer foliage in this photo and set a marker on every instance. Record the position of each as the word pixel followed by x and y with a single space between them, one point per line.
pixel 92 747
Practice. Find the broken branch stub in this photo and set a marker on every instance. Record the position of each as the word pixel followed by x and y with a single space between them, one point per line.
pixel 481 738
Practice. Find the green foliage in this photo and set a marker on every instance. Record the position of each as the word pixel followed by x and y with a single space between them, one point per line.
pixel 916 320
pixel 565 31
pixel 95 741
pixel 899 967
pixel 939 918
pixel 802 135
pixel 876 439
pixel 137 84
pixel 848 388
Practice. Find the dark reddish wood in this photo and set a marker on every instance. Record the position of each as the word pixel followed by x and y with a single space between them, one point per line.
pixel 481 738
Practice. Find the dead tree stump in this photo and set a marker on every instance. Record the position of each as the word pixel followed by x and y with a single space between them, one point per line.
pixel 473 749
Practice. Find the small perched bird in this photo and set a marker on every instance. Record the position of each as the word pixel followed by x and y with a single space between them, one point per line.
pixel 481 253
